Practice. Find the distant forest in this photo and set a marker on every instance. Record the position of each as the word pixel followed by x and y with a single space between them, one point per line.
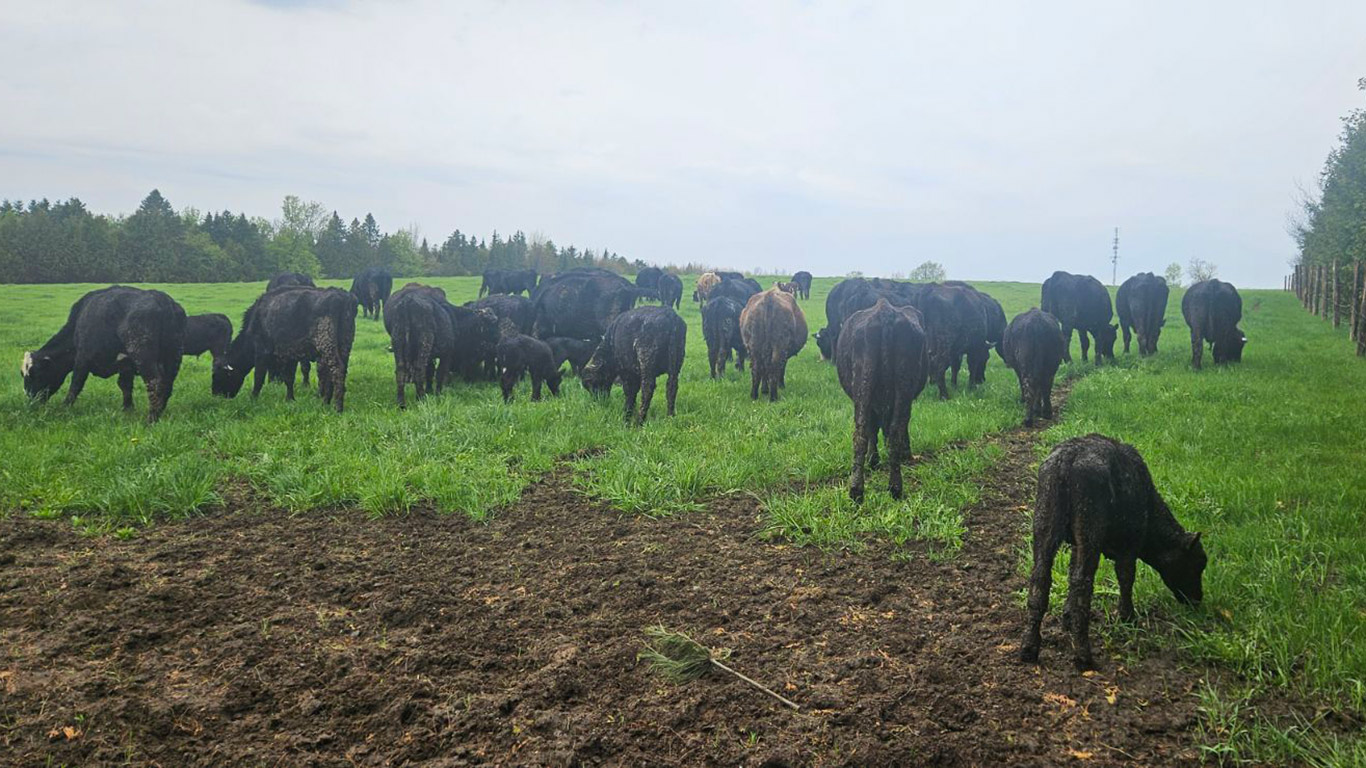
pixel 44 242
pixel 1330 227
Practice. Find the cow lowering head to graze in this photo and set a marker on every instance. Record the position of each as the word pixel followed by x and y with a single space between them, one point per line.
pixel 509 281
pixel 1141 304
pixel 670 290
pixel 574 351
pixel 580 303
pixel 288 280
pixel 116 330
pixel 803 281
pixel 740 290
pixel 729 275
pixel 1081 302
pixel 1212 309
pixel 1032 347
pixel 978 350
pixel 420 334
pixel 721 331
pixel 791 288
pixel 705 283
pixel 513 309
pixel 882 367
pixel 476 342
pixel 372 288
pixel 519 355
pixel 207 333
pixel 648 277
pixel 1096 494
pixel 773 329
pixel 285 327
pixel 637 347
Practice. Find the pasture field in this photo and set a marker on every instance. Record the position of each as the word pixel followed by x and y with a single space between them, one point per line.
pixel 1264 457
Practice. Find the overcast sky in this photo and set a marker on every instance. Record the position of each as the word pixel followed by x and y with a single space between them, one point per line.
pixel 1003 139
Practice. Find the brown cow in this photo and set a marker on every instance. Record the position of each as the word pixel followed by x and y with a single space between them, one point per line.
pixel 705 282
pixel 773 329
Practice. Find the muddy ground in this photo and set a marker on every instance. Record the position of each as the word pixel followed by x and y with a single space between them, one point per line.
pixel 254 638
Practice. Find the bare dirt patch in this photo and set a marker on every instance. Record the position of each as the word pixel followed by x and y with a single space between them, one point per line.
pixel 255 638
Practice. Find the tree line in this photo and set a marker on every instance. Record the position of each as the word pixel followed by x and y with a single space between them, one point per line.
pixel 65 242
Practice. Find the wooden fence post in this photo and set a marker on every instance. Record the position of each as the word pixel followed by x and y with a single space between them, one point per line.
pixel 1337 306
pixel 1323 291
pixel 1352 297
pixel 1361 324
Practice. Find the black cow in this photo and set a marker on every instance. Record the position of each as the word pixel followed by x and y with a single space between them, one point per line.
pixel 882 367
pixel 516 310
pixel 803 281
pixel 1096 494
pixel 575 351
pixel 993 327
pixel 476 342
pixel 420 333
pixel 1080 302
pixel 728 275
pixel 1141 304
pixel 740 290
pixel 207 333
pixel 1212 309
pixel 580 303
pixel 519 355
pixel 648 277
pixel 636 348
pixel 285 327
pixel 721 330
pixel 289 279
pixel 1032 346
pixel 670 290
pixel 372 288
pixel 513 281
pixel 116 330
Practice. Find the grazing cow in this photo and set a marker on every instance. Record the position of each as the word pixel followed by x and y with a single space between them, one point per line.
pixel 774 329
pixel 288 280
pixel 828 337
pixel 791 288
pixel 636 348
pixel 420 332
pixel 1141 304
pixel 729 275
pixel 954 326
pixel 740 290
pixel 207 333
pixel 803 281
pixel 115 330
pixel 648 278
pixel 519 355
pixel 575 351
pixel 1096 494
pixel 882 367
pixel 1032 347
pixel 372 288
pixel 515 310
pixel 285 327
pixel 705 283
pixel 1212 309
pixel 670 290
pixel 580 303
pixel 1080 302
pixel 721 330
pixel 475 346
pixel 978 351
pixel 512 281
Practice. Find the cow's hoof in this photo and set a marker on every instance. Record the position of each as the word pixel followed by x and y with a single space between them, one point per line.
pixel 1029 655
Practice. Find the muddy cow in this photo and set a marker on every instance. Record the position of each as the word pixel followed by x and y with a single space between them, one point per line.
pixel 882 367
pixel 580 303
pixel 648 278
pixel 519 355
pixel 1141 304
pixel 1032 347
pixel 289 279
pixel 372 288
pixel 511 281
pixel 705 283
pixel 1080 302
pixel 285 327
pixel 669 290
pixel 210 333
pixel 803 281
pixel 721 330
pixel 474 351
pixel 1212 309
pixel 511 310
pixel 116 330
pixel 1096 494
pixel 993 327
pixel 420 334
pixel 574 351
pixel 639 346
pixel 774 329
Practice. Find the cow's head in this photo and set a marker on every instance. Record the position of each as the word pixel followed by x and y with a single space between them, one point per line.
pixel 43 374
pixel 1230 350
pixel 1105 341
pixel 1182 567
pixel 823 339
pixel 598 374
pixel 230 370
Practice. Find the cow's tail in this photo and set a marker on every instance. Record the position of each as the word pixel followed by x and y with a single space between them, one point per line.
pixel 887 351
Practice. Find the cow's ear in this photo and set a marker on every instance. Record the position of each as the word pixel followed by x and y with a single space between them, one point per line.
pixel 1193 541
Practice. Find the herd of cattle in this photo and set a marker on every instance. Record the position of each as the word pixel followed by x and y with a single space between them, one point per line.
pixel 887 338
